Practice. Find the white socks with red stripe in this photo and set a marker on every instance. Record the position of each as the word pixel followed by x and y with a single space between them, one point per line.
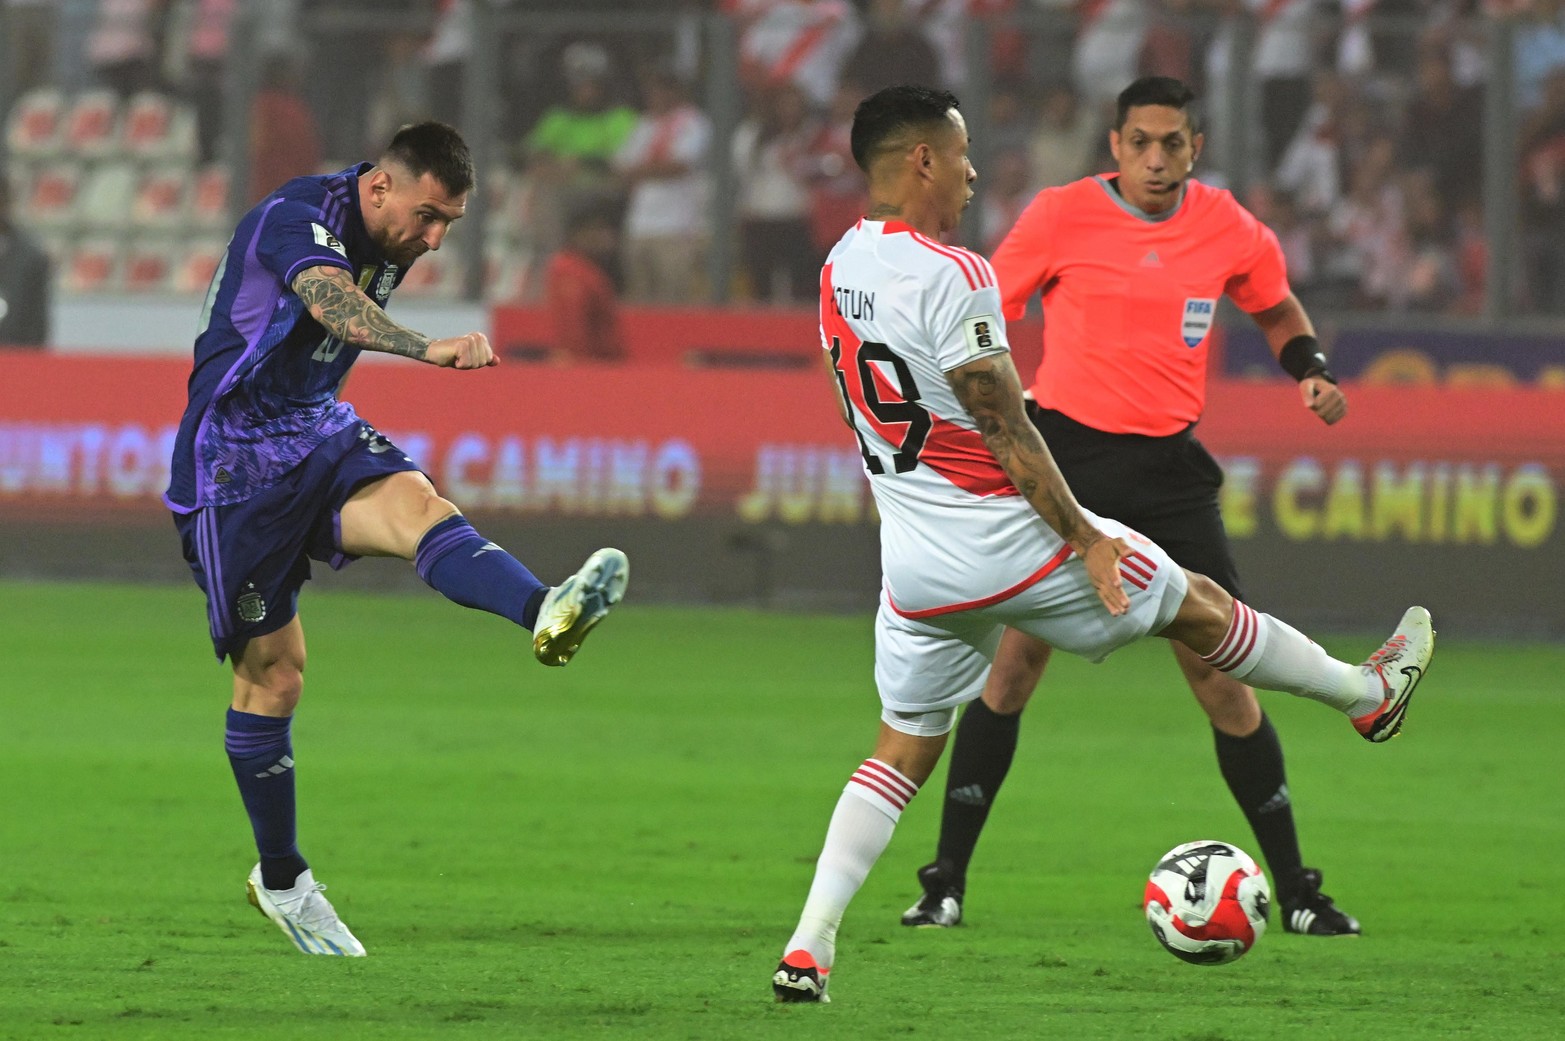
pixel 860 830
pixel 1273 655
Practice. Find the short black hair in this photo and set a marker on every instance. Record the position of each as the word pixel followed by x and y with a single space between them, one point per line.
pixel 1158 90
pixel 892 111
pixel 433 148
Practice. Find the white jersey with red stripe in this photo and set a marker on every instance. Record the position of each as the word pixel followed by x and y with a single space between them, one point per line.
pixel 898 311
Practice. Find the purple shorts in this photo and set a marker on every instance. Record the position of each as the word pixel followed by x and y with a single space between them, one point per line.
pixel 251 558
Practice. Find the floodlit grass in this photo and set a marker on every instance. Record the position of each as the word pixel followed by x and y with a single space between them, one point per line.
pixel 618 849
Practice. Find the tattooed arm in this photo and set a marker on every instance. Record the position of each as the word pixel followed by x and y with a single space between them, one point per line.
pixel 342 309
pixel 991 392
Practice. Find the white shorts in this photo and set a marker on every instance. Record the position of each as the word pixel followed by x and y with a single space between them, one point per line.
pixel 926 667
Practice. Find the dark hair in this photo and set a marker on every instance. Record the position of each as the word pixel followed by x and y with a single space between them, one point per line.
pixel 433 148
pixel 1158 90
pixel 896 110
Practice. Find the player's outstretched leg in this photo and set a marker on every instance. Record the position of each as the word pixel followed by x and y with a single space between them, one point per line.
pixel 1399 664
pixel 571 609
pixel 304 915
pixel 1264 652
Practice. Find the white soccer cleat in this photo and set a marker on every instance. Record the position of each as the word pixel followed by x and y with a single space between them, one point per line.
pixel 304 915
pixel 1399 665
pixel 572 608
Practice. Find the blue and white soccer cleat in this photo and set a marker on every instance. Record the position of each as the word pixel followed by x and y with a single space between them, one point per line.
pixel 572 608
pixel 304 915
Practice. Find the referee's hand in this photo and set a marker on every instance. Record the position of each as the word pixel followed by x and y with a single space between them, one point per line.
pixel 1324 398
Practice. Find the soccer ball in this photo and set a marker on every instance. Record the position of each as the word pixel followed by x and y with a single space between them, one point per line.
pixel 1207 902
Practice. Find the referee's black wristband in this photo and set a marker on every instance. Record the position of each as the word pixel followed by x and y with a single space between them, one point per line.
pixel 1301 358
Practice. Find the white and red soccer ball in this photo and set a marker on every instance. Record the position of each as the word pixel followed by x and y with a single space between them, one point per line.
pixel 1207 902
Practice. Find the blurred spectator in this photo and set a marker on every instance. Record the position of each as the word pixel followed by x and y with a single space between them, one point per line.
pixel 124 45
pixel 1543 198
pixel 893 50
pixel 284 140
pixel 1311 166
pixel 582 135
pixel 1009 126
pixel 945 24
pixel 1539 48
pixel 29 42
pixel 571 149
pixel 1429 280
pixel 1107 54
pixel 837 190
pixel 207 48
pixel 772 161
pixel 579 292
pixel 662 164
pixel 1368 227
pixel 1443 129
pixel 24 281
pixel 444 57
pixel 1005 197
pixel 1065 140
pixel 398 89
pixel 803 42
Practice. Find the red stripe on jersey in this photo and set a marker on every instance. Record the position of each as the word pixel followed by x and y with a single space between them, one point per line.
pixel 1132 578
pixel 964 260
pixel 890 777
pixel 961 457
pixel 1037 576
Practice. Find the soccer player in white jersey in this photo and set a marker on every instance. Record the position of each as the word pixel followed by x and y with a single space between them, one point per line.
pixel 978 529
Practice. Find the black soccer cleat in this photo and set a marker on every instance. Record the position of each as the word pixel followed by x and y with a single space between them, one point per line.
pixel 1309 912
pixel 799 980
pixel 941 905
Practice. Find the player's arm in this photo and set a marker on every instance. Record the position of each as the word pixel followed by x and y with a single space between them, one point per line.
pixel 991 392
pixel 1291 336
pixel 340 306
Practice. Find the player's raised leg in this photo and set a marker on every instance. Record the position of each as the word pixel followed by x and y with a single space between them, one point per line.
pixel 1264 652
pixel 268 680
pixel 401 515
pixel 861 827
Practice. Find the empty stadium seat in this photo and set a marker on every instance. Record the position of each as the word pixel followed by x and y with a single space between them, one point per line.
pixel 162 199
pixel 209 198
pixel 106 197
pixel 49 201
pixel 35 129
pixel 148 266
pixel 195 265
pixel 92 125
pixel 156 127
pixel 92 266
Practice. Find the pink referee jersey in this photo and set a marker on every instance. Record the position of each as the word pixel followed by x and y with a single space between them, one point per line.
pixel 1129 299
pixel 898 311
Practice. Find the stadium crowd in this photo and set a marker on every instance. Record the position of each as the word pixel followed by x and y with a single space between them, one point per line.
pixel 1364 155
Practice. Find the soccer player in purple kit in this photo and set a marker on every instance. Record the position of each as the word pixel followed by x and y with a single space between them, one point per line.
pixel 270 470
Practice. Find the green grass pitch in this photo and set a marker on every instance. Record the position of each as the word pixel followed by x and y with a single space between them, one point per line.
pixel 618 849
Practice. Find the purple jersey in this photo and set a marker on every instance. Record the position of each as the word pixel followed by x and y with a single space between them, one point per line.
pixel 263 392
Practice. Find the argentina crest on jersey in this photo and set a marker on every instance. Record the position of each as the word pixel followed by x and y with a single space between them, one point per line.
pixel 1197 321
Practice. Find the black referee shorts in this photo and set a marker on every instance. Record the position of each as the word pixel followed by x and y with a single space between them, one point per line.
pixel 1164 487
